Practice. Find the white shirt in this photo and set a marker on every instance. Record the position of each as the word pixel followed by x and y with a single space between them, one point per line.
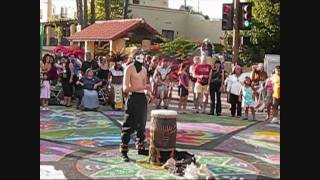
pixel 234 84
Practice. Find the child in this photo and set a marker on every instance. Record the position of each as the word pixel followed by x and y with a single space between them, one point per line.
pixel 268 99
pixel 246 92
pixel 183 88
pixel 45 92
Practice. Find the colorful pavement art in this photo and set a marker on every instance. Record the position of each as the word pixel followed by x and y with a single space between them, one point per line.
pixel 108 165
pixel 261 141
pixel 197 134
pixel 53 152
pixel 49 172
pixel 90 129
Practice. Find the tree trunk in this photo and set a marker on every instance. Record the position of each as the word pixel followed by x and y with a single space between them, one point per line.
pixel 93 14
pixel 125 9
pixel 85 13
pixel 107 9
pixel 79 12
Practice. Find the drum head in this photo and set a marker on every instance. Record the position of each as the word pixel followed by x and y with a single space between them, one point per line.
pixel 164 113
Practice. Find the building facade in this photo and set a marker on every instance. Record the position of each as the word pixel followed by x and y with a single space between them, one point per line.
pixel 61 11
pixel 64 9
pixel 173 23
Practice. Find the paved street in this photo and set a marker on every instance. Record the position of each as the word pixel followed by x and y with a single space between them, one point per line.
pixel 82 145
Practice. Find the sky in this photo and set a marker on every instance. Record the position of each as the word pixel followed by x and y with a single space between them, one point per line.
pixel 212 8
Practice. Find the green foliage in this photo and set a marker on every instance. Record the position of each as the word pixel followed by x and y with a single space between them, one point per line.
pixel 116 7
pixel 218 48
pixel 251 55
pixel 266 25
pixel 178 48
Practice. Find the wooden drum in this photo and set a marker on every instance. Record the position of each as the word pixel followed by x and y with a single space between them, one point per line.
pixel 163 132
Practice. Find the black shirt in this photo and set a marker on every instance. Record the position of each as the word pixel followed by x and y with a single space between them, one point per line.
pixel 86 65
pixel 216 77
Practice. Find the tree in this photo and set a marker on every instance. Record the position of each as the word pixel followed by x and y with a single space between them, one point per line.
pixel 79 11
pixel 125 11
pixel 107 9
pixel 187 8
pixel 266 25
pixel 85 13
pixel 110 9
pixel 92 12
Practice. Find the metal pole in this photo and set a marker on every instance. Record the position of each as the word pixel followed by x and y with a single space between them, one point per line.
pixel 236 32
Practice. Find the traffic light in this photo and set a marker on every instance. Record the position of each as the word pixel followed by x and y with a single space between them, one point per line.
pixel 245 22
pixel 227 17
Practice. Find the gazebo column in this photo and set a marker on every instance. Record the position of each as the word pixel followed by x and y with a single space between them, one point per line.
pixel 48 35
pixel 88 48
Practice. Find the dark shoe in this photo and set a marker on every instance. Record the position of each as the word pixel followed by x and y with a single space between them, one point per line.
pixel 211 113
pixel 219 114
pixel 143 152
pixel 166 107
pixel 68 106
pixel 124 157
pixel 245 118
pixel 158 107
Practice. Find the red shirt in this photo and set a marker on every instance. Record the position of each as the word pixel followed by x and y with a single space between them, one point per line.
pixel 203 69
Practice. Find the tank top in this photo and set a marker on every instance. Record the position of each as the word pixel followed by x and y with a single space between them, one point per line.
pixel 247 93
pixel 68 72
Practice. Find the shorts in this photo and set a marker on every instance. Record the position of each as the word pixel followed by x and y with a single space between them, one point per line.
pixel 182 91
pixel 198 88
pixel 268 99
pixel 276 102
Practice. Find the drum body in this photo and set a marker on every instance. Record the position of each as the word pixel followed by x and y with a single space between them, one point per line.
pixel 163 132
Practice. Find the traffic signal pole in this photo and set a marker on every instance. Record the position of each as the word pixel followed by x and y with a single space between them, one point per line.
pixel 236 32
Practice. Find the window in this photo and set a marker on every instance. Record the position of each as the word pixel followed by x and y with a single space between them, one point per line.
pixel 63 12
pixel 169 34
pixel 136 1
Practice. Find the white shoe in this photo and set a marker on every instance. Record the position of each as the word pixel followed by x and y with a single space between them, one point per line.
pixel 43 109
pixel 275 120
pixel 47 108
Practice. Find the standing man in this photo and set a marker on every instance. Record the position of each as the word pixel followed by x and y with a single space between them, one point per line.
pixel 135 86
pixel 202 72
pixel 207 48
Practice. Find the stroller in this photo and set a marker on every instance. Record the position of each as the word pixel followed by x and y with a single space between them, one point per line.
pixel 56 98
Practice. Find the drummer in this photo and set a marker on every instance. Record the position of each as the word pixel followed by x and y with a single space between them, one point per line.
pixel 135 85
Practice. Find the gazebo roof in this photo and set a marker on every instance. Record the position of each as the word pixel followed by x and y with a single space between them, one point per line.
pixel 111 30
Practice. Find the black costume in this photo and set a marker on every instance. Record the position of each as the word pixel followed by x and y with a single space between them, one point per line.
pixel 135 119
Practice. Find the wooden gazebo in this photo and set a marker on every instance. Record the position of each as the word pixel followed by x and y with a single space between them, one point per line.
pixel 116 33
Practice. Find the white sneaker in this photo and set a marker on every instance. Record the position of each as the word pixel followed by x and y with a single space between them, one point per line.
pixel 43 109
pixel 47 108
pixel 275 120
